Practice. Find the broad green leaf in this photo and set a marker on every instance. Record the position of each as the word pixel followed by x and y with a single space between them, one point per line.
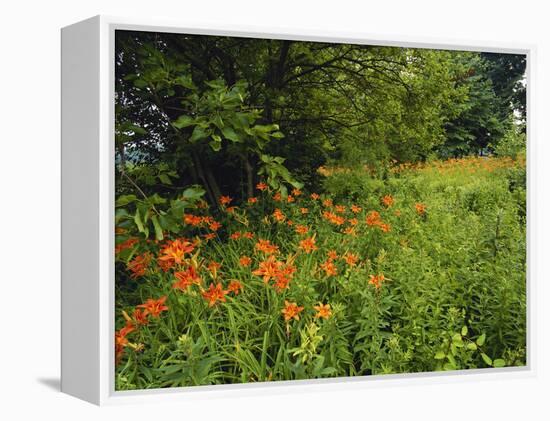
pixel 126 199
pixel 193 193
pixel 158 229
pixel 140 83
pixel 198 134
pixel 165 179
pixel 464 330
pixel 499 362
pixel 137 220
pixel 230 134
pixel 183 121
pixel 480 340
pixel 487 359
pixel 439 355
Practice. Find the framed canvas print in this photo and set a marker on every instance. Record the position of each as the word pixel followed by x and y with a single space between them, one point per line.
pixel 245 210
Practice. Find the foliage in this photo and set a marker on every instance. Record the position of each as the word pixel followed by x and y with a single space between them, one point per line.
pixel 424 272
pixel 215 108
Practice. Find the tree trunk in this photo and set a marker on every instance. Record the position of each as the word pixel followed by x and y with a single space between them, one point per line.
pixel 201 174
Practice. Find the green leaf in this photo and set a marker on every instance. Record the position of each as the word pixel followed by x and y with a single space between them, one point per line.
pixel 464 330
pixel 216 146
pixel 198 134
pixel 139 223
pixel 126 199
pixel 499 362
pixel 449 367
pixel 439 355
pixel 487 359
pixel 158 229
pixel 230 134
pixel 183 121
pixel 140 83
pixel 193 193
pixel 480 340
pixel 165 179
pixel 471 346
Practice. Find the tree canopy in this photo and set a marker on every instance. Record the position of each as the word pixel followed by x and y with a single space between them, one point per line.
pixel 225 112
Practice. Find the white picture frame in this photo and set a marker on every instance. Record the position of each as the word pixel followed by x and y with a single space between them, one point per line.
pixel 88 203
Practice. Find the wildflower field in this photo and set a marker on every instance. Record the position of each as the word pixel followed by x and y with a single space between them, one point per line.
pixel 291 210
pixel 422 271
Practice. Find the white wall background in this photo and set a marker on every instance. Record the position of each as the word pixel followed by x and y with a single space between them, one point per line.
pixel 29 206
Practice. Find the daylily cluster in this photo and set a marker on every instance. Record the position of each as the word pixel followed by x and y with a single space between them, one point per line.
pixel 140 316
pixel 375 220
pixel 280 273
pixel 189 273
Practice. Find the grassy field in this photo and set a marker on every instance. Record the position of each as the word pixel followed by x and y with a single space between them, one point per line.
pixel 419 269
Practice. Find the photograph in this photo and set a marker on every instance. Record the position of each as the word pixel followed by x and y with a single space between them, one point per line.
pixel 290 209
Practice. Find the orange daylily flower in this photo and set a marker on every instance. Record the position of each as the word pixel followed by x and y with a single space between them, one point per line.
pixel 139 264
pixel 154 307
pixel 304 211
pixel 290 199
pixel 353 221
pixel 235 235
pixel 314 196
pixel 252 200
pixel 120 335
pixel 373 218
pixel 277 197
pixel 350 231
pixel 340 208
pixel 291 311
pixel 121 341
pixel 129 243
pixel 174 252
pixel 193 220
pixel 207 219
pixel 350 258
pixel 214 294
pixel 376 280
pixel 265 246
pixel 385 227
pixel 209 236
pixel 333 218
pixel 296 192
pixel 235 287
pixel 245 261
pixel 186 278
pixel 279 215
pixel 332 255
pixel 225 200
pixel 387 200
pixel 268 269
pixel 140 317
pixel 329 267
pixel 261 186
pixel 231 209
pixel 420 208
pixel 323 311
pixel 301 229
pixel 355 208
pixel 327 203
pixel 249 235
pixel 214 225
pixel 308 245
